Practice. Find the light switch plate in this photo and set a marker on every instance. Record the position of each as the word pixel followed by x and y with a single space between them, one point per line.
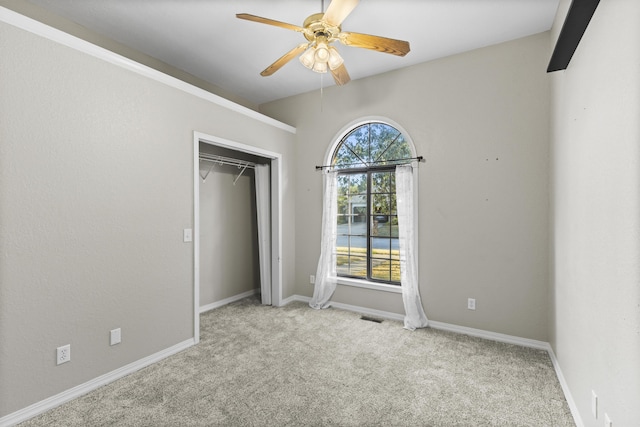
pixel 115 336
pixel 187 235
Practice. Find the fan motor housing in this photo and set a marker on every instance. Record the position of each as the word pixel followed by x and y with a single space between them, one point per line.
pixel 317 26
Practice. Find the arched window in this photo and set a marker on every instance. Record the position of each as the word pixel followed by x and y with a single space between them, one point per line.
pixel 367 245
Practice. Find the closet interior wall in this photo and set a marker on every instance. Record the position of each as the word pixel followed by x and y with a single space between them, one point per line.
pixel 229 260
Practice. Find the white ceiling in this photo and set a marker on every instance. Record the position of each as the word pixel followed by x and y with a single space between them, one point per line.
pixel 204 38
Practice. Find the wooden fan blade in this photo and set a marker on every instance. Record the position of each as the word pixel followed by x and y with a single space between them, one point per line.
pixel 284 59
pixel 381 44
pixel 340 75
pixel 268 21
pixel 338 10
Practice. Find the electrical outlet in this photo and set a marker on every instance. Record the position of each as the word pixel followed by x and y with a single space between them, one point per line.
pixel 115 336
pixel 312 279
pixel 607 421
pixel 594 404
pixel 471 303
pixel 63 354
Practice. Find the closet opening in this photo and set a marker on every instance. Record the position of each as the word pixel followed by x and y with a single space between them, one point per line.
pixel 236 224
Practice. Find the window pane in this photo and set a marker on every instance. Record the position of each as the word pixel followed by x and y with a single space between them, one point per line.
pixel 381 229
pixel 380 139
pixel 393 226
pixel 343 180
pixel 359 219
pixel 343 204
pixel 358 266
pixel 342 260
pixel 352 206
pixel 389 142
pixel 358 183
pixel 358 143
pixel 358 245
pixel 380 247
pixel 342 240
pixel 395 271
pixel 345 156
pixel 358 208
pixel 381 182
pixel 343 211
pixel 381 204
pixel 356 229
pixel 380 270
pixel 397 147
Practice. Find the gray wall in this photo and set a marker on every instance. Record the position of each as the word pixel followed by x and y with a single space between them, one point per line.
pixel 96 186
pixel 595 268
pixel 481 120
pixel 28 9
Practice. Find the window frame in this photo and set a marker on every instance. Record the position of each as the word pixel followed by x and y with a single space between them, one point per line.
pixel 368 220
pixel 329 155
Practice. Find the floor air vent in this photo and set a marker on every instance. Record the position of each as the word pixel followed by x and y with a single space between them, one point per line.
pixel 371 319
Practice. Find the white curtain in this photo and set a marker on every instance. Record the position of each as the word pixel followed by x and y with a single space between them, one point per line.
pixel 414 313
pixel 263 212
pixel 326 277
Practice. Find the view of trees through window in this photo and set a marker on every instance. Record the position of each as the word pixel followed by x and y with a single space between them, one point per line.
pixel 367 242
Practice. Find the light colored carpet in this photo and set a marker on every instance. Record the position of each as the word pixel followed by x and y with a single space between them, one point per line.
pixel 294 366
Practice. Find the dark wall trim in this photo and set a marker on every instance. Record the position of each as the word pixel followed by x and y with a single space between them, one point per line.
pixel 575 24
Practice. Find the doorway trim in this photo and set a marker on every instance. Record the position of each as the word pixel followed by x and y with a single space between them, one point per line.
pixel 276 217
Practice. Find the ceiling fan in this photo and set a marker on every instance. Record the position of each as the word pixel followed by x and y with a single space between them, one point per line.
pixel 320 30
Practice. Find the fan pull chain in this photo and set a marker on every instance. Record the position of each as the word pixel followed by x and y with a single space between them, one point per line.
pixel 321 92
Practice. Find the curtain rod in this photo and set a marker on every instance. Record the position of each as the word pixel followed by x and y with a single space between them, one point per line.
pixel 407 160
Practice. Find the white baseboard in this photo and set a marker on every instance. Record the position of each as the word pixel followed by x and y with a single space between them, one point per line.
pixel 293 298
pixel 369 311
pixel 218 304
pixel 493 336
pixel 77 391
pixel 565 388
pixel 348 307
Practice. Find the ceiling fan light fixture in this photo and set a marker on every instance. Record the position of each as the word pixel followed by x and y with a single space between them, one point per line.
pixel 322 48
pixel 320 67
pixel 308 58
pixel 335 60
pixel 322 54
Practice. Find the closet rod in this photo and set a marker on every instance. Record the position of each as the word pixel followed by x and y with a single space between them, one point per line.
pixel 221 160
